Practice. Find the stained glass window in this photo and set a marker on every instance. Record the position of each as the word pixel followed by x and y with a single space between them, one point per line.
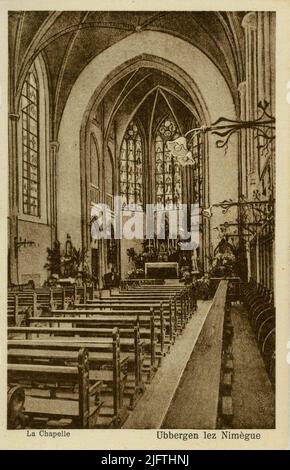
pixel 30 145
pixel 131 167
pixel 167 171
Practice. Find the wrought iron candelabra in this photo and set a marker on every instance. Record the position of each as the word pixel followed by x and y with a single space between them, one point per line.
pixel 225 127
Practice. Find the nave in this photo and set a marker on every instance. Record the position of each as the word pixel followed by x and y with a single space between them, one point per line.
pixel 141 225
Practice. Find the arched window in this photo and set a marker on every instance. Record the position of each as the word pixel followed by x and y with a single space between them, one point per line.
pixel 167 171
pixel 131 166
pixel 33 166
pixel 30 145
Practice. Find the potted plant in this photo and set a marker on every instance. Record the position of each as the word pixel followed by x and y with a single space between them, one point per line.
pixel 53 264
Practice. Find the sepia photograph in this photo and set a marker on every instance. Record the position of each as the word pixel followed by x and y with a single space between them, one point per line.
pixel 141 247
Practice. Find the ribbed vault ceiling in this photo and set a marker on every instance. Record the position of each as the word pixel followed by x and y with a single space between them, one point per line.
pixel 68 41
pixel 147 94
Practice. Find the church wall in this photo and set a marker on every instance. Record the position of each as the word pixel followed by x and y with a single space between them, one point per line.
pixel 31 259
pixel 223 183
pixel 33 234
pixel 69 187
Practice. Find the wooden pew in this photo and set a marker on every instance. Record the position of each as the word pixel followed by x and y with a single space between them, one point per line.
pixel 166 311
pixel 127 283
pixel 19 304
pixel 120 318
pixel 130 343
pixel 174 289
pixel 43 299
pixel 83 293
pixel 258 301
pixel 66 296
pixel 107 364
pixel 181 304
pixel 57 403
pixel 83 321
pixel 38 300
pixel 180 294
pixel 12 309
pixel 131 346
pixel 62 297
pixel 56 297
pixel 180 300
pixel 99 354
pixel 183 293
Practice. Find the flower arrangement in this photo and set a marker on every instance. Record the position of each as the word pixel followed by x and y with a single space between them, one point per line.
pixel 53 264
pixel 223 265
pixel 224 261
pixel 202 286
pixel 137 259
pixel 68 263
pixel 136 273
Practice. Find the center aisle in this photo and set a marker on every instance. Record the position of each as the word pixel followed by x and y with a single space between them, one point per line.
pixel 153 405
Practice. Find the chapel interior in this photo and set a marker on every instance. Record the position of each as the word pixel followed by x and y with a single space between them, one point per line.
pixel 94 99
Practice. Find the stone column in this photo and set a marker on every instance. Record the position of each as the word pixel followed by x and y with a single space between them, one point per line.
pixel 242 88
pixel 249 23
pixel 13 196
pixel 53 151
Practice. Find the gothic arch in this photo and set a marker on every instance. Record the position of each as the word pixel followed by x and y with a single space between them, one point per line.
pixel 177 57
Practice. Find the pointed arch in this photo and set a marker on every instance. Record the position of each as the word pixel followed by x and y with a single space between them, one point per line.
pixel 30 144
pixel 33 134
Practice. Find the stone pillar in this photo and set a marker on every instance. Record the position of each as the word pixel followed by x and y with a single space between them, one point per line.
pixel 13 197
pixel 53 151
pixel 243 142
pixel 267 60
pixel 261 60
pixel 249 23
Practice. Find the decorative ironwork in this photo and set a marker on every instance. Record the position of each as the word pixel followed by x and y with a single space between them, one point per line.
pixel 18 243
pixel 264 125
pixel 224 127
pixel 265 208
pixel 253 214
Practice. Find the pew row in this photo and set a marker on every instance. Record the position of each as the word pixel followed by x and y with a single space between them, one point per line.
pixel 42 299
pixel 98 324
pixel 53 395
pixel 259 303
pixel 165 316
pixel 107 364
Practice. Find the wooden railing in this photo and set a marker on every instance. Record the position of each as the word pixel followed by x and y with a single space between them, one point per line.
pixel 234 287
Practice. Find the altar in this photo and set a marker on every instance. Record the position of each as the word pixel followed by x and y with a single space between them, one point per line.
pixel 161 270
